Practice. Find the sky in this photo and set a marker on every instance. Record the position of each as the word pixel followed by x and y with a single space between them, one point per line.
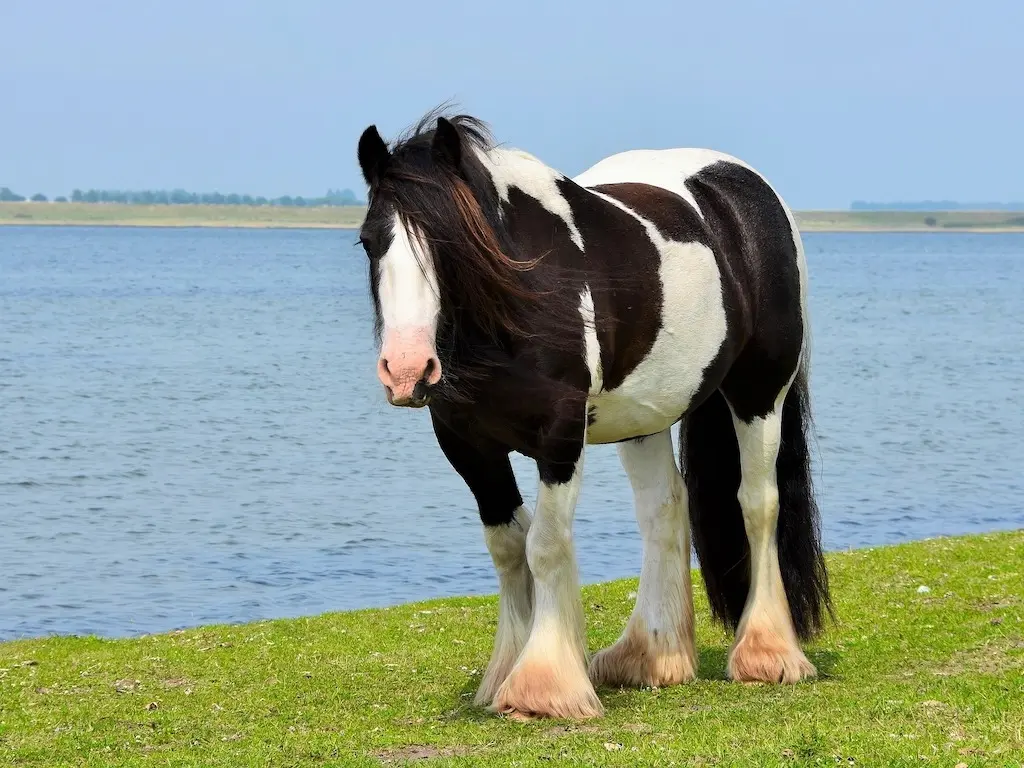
pixel 832 101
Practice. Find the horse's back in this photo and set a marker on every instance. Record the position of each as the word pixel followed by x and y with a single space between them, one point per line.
pixel 666 168
pixel 745 218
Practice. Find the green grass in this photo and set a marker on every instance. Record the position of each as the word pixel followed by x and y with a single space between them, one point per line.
pixel 907 678
pixel 96 214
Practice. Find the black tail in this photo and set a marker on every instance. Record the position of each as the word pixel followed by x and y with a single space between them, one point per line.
pixel 710 457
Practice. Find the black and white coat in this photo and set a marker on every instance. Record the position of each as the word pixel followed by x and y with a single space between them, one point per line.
pixel 537 313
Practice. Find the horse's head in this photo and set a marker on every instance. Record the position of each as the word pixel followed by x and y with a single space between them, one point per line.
pixel 437 267
pixel 403 275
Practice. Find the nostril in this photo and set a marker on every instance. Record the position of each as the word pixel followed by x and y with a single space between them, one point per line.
pixel 431 367
pixel 383 370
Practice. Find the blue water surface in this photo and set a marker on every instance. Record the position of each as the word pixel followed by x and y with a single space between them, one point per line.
pixel 193 431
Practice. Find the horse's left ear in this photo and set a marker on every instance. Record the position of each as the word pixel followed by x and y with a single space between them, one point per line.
pixel 447 144
pixel 374 155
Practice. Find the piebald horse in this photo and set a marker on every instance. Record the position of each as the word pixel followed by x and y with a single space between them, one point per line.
pixel 537 313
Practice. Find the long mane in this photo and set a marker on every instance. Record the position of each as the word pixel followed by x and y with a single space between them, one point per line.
pixel 494 298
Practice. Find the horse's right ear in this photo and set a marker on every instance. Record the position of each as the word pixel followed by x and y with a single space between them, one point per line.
pixel 374 155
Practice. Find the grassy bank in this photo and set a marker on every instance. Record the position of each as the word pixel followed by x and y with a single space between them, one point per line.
pixel 909 677
pixel 910 221
pixel 248 216
pixel 95 214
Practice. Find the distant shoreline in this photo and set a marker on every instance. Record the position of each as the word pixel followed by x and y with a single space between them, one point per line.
pixel 350 217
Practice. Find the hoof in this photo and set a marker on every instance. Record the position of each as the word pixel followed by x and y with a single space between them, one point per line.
pixel 497 670
pixel 639 660
pixel 764 657
pixel 536 689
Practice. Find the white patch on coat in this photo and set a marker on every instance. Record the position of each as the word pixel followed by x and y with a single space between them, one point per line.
pixel 665 168
pixel 693 327
pixel 514 168
pixel 592 346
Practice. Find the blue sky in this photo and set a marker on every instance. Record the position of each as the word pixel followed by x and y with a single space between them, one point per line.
pixel 834 101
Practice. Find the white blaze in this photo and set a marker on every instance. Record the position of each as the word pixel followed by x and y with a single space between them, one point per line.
pixel 410 306
pixel 408 289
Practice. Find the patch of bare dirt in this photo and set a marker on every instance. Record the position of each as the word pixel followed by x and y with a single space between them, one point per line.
pixel 636 727
pixel 991 658
pixel 416 753
pixel 996 603
pixel 562 730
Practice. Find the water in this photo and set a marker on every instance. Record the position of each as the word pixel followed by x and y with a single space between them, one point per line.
pixel 193 431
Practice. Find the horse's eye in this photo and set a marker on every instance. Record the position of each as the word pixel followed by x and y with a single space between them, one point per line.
pixel 367 246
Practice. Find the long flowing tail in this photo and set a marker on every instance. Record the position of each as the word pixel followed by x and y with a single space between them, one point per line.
pixel 711 464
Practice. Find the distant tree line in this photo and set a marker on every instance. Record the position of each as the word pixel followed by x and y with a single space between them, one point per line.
pixel 334 197
pixel 934 205
pixel 7 196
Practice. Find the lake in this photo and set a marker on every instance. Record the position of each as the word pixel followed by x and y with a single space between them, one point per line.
pixel 194 433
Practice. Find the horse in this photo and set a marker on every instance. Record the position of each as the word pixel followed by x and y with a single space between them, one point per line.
pixel 537 313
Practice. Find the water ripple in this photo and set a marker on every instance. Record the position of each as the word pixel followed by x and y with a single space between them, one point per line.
pixel 194 432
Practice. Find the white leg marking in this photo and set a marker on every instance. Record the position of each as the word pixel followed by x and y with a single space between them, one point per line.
pixel 550 677
pixel 507 545
pixel 766 646
pixel 657 647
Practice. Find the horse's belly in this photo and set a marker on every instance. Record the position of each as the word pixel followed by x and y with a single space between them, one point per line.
pixel 652 398
pixel 615 417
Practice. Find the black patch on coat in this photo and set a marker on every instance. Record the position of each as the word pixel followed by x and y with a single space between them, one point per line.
pixel 622 266
pixel 751 229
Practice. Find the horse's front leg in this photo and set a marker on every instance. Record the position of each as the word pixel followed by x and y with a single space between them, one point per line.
pixel 550 677
pixel 485 467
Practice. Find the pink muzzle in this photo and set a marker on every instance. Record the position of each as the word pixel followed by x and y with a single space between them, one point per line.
pixel 408 366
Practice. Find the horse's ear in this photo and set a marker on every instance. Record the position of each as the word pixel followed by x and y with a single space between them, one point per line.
pixel 374 155
pixel 447 144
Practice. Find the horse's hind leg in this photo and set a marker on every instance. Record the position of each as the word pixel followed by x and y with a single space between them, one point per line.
pixel 657 647
pixel 766 646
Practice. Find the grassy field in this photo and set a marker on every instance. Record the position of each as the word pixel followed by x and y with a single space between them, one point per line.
pixel 910 221
pixel 93 214
pixel 252 216
pixel 924 667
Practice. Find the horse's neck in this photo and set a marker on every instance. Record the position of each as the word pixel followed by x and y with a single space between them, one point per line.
pixel 514 168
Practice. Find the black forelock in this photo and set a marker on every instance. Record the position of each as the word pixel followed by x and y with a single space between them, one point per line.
pixel 411 159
